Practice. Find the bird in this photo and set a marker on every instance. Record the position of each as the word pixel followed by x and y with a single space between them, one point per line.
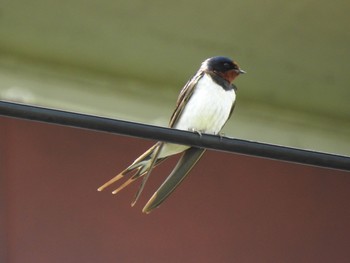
pixel 204 105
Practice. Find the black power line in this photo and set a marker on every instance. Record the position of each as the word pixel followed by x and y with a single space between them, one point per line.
pixel 97 123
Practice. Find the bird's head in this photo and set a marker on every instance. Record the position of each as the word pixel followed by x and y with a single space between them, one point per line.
pixel 222 66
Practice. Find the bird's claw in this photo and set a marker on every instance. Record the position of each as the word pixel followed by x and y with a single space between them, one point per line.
pixel 196 131
pixel 221 135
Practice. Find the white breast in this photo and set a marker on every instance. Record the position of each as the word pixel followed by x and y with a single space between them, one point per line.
pixel 208 109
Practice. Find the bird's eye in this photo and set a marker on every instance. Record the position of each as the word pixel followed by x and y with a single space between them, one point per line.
pixel 226 65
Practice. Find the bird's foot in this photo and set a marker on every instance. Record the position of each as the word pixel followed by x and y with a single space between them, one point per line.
pixel 196 131
pixel 221 135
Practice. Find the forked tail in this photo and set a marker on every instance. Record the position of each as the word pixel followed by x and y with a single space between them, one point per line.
pixel 141 166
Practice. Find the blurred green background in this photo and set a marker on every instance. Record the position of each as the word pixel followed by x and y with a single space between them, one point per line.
pixel 129 60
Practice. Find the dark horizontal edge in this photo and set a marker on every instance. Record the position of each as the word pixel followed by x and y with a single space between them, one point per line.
pixel 264 150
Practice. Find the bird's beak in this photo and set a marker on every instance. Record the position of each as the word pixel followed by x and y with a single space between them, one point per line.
pixel 240 71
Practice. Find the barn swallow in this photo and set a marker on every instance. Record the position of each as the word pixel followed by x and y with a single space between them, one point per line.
pixel 204 105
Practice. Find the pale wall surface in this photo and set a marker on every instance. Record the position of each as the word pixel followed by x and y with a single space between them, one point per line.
pixel 129 60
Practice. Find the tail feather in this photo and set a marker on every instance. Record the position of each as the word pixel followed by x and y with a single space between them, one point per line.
pixel 179 173
pixel 153 162
pixel 127 182
pixel 141 166
pixel 113 180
